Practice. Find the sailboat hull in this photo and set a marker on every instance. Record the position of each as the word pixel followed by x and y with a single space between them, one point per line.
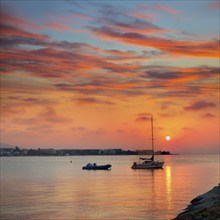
pixel 149 165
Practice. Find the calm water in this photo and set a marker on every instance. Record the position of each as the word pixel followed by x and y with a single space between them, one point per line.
pixel 43 188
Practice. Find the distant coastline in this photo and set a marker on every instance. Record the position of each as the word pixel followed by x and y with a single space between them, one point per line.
pixel 16 151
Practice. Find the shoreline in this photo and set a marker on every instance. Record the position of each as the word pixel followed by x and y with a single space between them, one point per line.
pixel 203 207
pixel 76 152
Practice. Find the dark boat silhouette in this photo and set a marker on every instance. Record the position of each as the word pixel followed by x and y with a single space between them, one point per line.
pixel 94 166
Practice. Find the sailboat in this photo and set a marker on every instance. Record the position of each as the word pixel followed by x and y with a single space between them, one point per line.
pixel 148 163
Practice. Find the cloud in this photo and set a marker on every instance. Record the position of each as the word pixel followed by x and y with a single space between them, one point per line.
pixel 31 100
pixel 167 114
pixel 98 131
pixel 57 23
pixel 208 115
pixel 15 21
pixel 106 86
pixel 124 20
pixel 60 26
pixel 199 106
pixel 11 31
pixel 180 74
pixel 178 47
pixel 48 114
pixel 63 58
pixel 97 71
pixel 136 60
pixel 132 25
pixel 141 117
pixel 58 65
pixel 79 128
pixel 90 70
pixel 26 121
pixel 119 24
pixel 47 118
pixel 158 74
pixel 165 8
pixel 92 100
pixel 141 15
pixel 9 110
pixel 215 5
pixel 156 7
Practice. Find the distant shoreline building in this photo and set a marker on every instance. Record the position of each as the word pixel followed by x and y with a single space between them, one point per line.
pixel 74 152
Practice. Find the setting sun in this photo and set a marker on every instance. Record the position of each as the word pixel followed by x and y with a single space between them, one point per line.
pixel 167 138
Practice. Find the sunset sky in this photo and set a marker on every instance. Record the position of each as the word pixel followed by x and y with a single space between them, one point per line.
pixel 88 74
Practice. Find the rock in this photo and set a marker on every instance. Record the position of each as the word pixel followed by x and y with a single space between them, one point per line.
pixel 203 207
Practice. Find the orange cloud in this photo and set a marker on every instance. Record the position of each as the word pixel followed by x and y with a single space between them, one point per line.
pixel 178 47
pixel 83 68
pixel 142 27
pixel 9 31
pixel 11 25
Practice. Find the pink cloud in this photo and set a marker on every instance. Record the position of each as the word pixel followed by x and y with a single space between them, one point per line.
pixel 139 26
pixel 165 8
pixel 17 21
pixel 159 7
pixel 145 16
pixel 179 47
pixel 11 31
pixel 214 5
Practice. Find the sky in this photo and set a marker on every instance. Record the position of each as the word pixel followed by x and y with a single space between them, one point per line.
pixel 90 74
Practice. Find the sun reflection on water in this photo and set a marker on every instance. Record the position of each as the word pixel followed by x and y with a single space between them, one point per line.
pixel 169 186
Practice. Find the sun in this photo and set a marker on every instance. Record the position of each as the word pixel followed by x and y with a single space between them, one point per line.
pixel 167 138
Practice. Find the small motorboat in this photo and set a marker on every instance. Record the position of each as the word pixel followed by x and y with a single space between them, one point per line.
pixel 94 166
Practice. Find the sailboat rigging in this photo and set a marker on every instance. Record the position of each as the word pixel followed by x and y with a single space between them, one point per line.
pixel 149 163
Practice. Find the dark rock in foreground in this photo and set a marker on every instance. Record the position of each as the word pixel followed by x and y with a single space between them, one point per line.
pixel 203 207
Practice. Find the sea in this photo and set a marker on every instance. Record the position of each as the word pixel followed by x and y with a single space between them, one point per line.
pixel 56 188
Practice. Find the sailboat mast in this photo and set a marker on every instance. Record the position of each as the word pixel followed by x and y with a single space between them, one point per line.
pixel 152 133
